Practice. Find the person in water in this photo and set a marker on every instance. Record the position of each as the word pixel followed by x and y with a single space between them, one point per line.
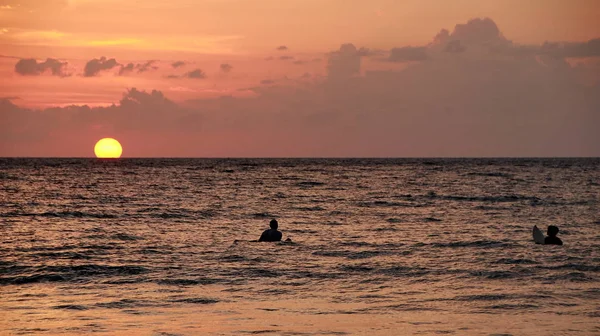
pixel 271 235
pixel 552 239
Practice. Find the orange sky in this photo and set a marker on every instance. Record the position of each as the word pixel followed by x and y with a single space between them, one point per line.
pixel 252 26
pixel 230 48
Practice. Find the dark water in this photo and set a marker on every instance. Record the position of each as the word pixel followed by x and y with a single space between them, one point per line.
pixel 380 247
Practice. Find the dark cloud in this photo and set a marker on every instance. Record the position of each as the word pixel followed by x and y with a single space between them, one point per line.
pixel 267 82
pixel 590 48
pixel 178 64
pixel 299 62
pixel 286 58
pixel 454 47
pixel 195 74
pixel 343 63
pixel 366 52
pixel 478 32
pixel 226 67
pixel 172 76
pixel 93 67
pixel 269 58
pixel 282 48
pixel 407 54
pixel 140 67
pixel 30 67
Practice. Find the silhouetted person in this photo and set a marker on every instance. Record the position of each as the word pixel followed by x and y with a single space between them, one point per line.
pixel 271 234
pixel 552 239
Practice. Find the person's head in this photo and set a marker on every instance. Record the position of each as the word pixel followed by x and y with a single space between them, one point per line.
pixel 552 230
pixel 273 224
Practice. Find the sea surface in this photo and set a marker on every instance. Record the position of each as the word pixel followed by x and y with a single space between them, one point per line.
pixel 379 247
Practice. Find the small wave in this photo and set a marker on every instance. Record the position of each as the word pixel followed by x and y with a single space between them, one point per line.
pixel 64 255
pixel 357 268
pixel 125 237
pixel 263 215
pixel 59 214
pixel 482 297
pixel 123 303
pixel 510 261
pixel 404 271
pixel 576 267
pixel 315 208
pixel 40 278
pixel 169 215
pixel 571 276
pixel 195 300
pixel 490 174
pixel 512 306
pixel 494 274
pixel 186 282
pixel 490 199
pixel 70 273
pixel 477 243
pixel 309 184
pixel 71 307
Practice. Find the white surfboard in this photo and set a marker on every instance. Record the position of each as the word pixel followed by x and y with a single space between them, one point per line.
pixel 538 235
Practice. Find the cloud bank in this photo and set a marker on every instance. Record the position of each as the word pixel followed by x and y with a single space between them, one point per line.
pixel 474 94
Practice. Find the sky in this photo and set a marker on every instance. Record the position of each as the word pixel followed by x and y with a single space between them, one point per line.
pixel 300 78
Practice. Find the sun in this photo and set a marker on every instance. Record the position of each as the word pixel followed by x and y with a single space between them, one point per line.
pixel 108 148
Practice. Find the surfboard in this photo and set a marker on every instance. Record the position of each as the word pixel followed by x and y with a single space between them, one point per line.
pixel 538 235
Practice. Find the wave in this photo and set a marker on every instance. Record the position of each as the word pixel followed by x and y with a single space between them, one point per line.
pixel 59 214
pixel 186 282
pixel 477 243
pixel 309 184
pixel 199 300
pixel 68 273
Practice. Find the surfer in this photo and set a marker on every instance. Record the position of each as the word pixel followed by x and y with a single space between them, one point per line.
pixel 552 239
pixel 271 234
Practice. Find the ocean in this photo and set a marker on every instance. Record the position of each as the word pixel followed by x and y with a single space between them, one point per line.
pixel 378 247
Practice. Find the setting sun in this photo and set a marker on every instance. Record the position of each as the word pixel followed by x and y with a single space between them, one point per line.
pixel 108 148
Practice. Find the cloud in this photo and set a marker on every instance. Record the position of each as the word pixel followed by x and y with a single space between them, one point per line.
pixel 407 54
pixel 454 47
pixel 282 48
pixel 178 64
pixel 590 48
pixel 94 66
pixel 140 67
pixel 286 58
pixel 470 103
pixel 478 31
pixel 225 67
pixel 30 67
pixel 344 62
pixel 367 52
pixel 195 74
pixel 269 58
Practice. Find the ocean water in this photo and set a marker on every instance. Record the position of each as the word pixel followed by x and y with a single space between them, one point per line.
pixel 379 247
